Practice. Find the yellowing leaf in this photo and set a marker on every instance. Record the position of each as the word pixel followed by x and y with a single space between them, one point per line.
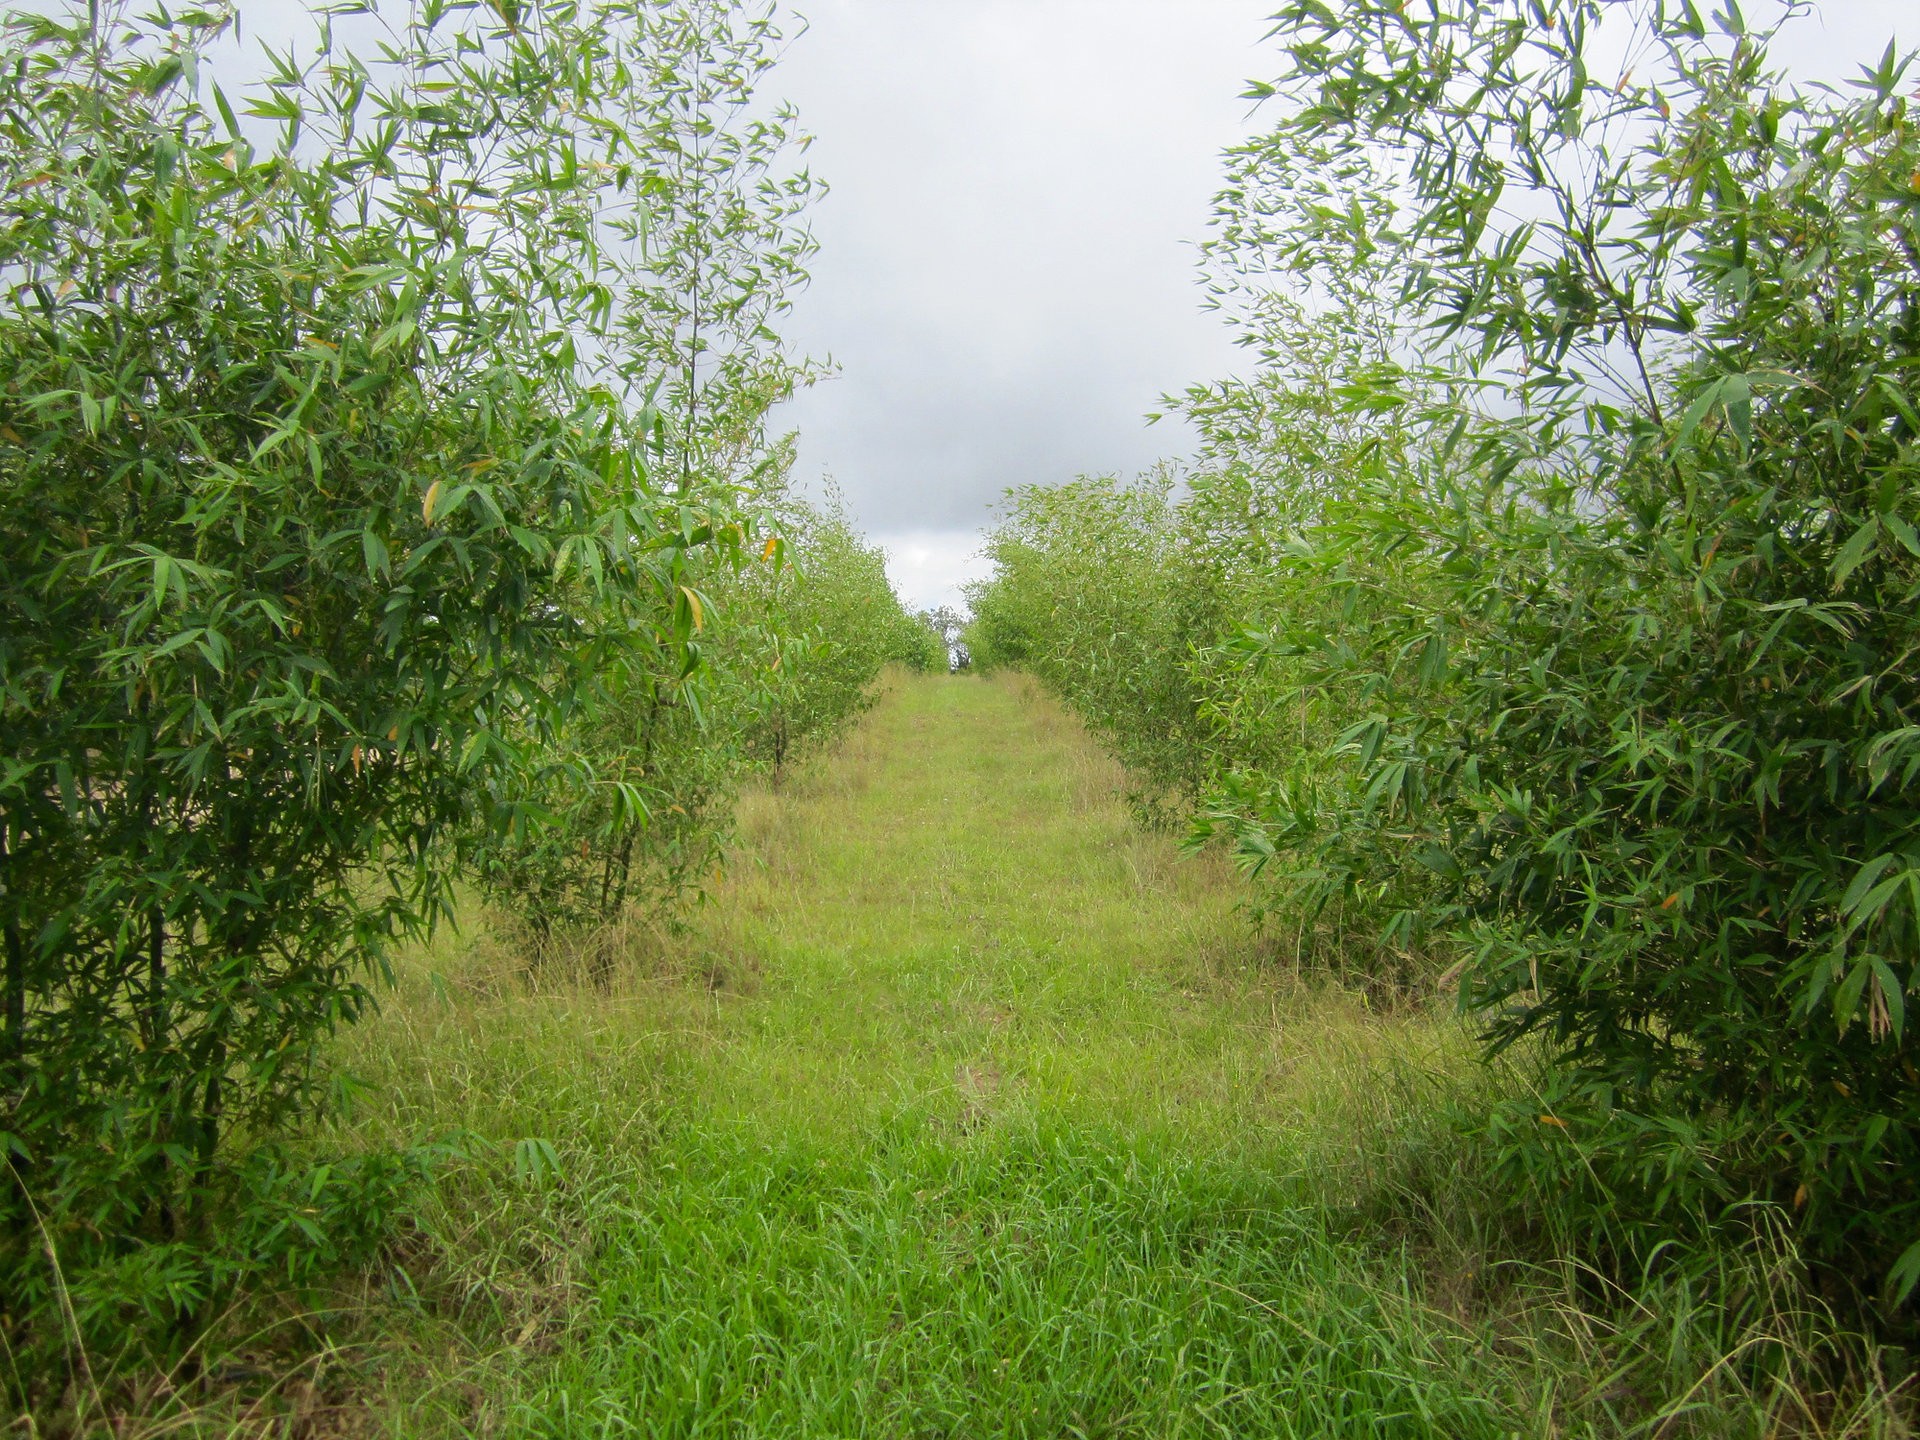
pixel 693 603
pixel 426 504
pixel 773 542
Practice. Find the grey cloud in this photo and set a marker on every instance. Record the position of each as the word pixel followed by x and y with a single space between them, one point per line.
pixel 933 450
pixel 1007 274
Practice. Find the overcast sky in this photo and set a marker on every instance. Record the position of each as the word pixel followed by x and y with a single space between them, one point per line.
pixel 1006 276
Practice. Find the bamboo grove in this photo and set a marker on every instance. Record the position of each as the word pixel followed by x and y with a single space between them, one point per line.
pixel 1537 619
pixel 387 506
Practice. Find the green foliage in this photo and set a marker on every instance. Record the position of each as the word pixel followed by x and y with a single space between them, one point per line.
pixel 944 643
pixel 1087 596
pixel 1149 605
pixel 920 643
pixel 1571 513
pixel 830 622
pixel 630 807
pixel 1565 534
pixel 721 231
pixel 625 805
pixel 628 804
pixel 762 648
pixel 326 510
pixel 1642 707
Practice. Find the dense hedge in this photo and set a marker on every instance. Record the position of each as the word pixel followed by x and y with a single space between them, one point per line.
pixel 1548 593
pixel 373 447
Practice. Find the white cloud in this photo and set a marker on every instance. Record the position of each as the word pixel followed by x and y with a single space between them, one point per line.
pixel 928 567
pixel 1007 265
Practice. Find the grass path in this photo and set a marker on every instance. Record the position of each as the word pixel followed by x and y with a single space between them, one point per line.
pixel 967 1110
pixel 954 916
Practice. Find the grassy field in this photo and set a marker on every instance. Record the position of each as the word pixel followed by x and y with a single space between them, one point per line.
pixel 968 1109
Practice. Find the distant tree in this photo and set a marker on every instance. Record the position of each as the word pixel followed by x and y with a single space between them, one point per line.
pixel 950 625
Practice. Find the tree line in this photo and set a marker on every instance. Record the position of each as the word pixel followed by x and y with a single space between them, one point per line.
pixel 1538 615
pixel 387 504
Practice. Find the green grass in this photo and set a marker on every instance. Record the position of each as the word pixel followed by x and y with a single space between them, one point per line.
pixel 1031 1281
pixel 967 1109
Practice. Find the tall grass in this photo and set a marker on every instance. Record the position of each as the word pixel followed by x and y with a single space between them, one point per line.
pixel 968 1109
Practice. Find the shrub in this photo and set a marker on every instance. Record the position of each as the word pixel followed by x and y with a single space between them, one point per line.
pixel 1084 595
pixel 1645 714
pixel 832 622
pixel 920 645
pixel 322 484
pixel 1547 590
pixel 628 804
